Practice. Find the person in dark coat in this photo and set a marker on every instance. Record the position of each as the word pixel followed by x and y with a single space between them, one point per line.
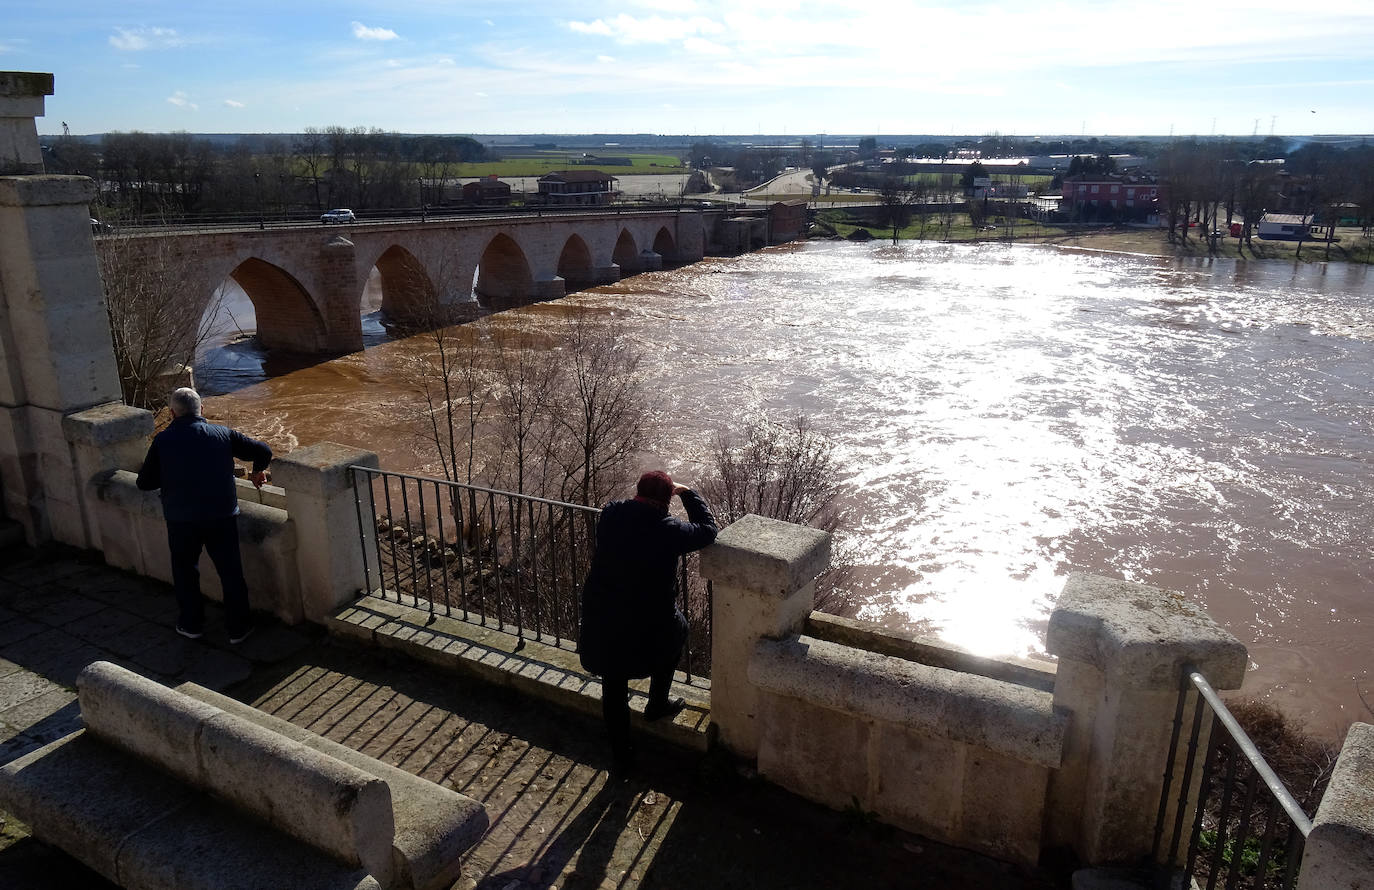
pixel 192 462
pixel 631 626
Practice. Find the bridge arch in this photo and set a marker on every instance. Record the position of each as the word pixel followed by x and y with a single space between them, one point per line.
pixel 575 264
pixel 626 253
pixel 408 290
pixel 503 273
pixel 287 317
pixel 664 245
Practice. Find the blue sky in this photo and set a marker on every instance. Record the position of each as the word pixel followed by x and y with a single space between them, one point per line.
pixel 698 68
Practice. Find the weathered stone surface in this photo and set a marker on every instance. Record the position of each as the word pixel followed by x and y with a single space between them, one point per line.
pixel 1340 850
pixel 306 794
pixel 1122 651
pixel 74 792
pixel 765 555
pixel 1003 806
pixel 213 847
pixel 144 718
pixel 320 470
pixel 1141 636
pixel 434 825
pixel 1003 717
pixel 813 751
pixel 108 424
pixel 928 650
pixel 920 782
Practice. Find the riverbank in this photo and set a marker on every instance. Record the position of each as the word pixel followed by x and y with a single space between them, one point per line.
pixel 1353 245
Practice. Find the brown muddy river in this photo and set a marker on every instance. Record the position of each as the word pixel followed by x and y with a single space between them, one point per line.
pixel 1004 416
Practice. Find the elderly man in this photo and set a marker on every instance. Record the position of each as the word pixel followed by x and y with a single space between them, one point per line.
pixel 192 461
pixel 631 626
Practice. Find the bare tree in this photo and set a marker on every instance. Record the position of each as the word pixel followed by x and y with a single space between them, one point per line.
pixel 784 471
pixel 156 325
pixel 525 377
pixel 600 408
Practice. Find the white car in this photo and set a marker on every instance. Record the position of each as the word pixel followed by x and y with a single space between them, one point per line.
pixel 340 216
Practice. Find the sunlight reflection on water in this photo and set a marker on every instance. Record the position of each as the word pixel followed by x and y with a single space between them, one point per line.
pixel 1008 415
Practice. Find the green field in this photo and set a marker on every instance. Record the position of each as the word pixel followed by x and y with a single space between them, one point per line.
pixel 538 164
pixel 960 229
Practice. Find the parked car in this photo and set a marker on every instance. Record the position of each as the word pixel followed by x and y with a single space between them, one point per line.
pixel 337 217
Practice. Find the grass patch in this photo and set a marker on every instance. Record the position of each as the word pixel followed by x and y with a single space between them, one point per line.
pixel 957 227
pixel 1353 247
pixel 553 161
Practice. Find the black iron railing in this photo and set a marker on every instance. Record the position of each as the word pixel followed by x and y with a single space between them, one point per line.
pixel 1247 830
pixel 503 560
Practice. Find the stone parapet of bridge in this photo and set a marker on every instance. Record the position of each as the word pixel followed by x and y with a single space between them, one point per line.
pixel 307 283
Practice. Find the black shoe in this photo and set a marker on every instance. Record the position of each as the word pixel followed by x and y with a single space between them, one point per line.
pixel 658 710
pixel 235 639
pixel 189 634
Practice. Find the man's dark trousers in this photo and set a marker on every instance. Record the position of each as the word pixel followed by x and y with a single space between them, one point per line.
pixel 220 539
pixel 615 710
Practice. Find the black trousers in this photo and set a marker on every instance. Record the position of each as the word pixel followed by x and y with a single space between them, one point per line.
pixel 615 707
pixel 220 539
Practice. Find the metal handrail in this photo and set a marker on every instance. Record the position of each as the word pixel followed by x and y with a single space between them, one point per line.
pixel 1226 741
pixel 1252 754
pixel 518 567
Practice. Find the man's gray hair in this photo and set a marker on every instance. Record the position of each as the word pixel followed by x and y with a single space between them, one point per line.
pixel 185 402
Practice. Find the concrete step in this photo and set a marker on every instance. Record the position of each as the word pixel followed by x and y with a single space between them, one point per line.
pixel 498 655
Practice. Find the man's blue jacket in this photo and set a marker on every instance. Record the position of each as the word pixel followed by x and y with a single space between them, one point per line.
pixel 192 461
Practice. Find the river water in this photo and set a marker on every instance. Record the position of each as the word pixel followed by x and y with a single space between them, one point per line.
pixel 1003 416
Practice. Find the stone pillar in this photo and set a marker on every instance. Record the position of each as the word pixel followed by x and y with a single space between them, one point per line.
pixel 21 100
pixel 320 501
pixel 763 573
pixel 548 289
pixel 56 354
pixel 1122 649
pixel 691 238
pixel 1340 850
pixel 102 440
pixel 606 274
pixel 340 296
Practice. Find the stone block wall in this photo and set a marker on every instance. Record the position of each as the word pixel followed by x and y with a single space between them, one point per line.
pixel 957 757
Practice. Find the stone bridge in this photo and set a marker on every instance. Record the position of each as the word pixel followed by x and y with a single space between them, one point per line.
pixel 307 283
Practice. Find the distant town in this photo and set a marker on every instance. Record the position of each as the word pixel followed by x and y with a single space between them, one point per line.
pixel 1220 193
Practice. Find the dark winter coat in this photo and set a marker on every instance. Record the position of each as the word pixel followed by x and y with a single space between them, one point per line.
pixel 631 626
pixel 192 461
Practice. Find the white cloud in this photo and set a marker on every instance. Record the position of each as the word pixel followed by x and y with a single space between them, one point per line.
pixel 138 39
pixel 597 27
pixel 654 29
pixel 363 32
pixel 180 100
pixel 704 47
pixel 489 23
pixel 233 103
pixel 605 60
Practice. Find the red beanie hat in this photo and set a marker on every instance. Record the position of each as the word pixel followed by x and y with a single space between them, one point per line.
pixel 656 486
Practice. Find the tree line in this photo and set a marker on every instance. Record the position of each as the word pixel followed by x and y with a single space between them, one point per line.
pixel 178 175
pixel 1217 183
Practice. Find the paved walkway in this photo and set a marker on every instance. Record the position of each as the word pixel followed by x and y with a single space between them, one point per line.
pixel 558 820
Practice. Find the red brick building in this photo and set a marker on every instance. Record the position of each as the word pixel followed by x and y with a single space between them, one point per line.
pixel 1109 196
pixel 489 192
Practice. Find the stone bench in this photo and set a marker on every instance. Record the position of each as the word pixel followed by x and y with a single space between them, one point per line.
pixel 165 790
